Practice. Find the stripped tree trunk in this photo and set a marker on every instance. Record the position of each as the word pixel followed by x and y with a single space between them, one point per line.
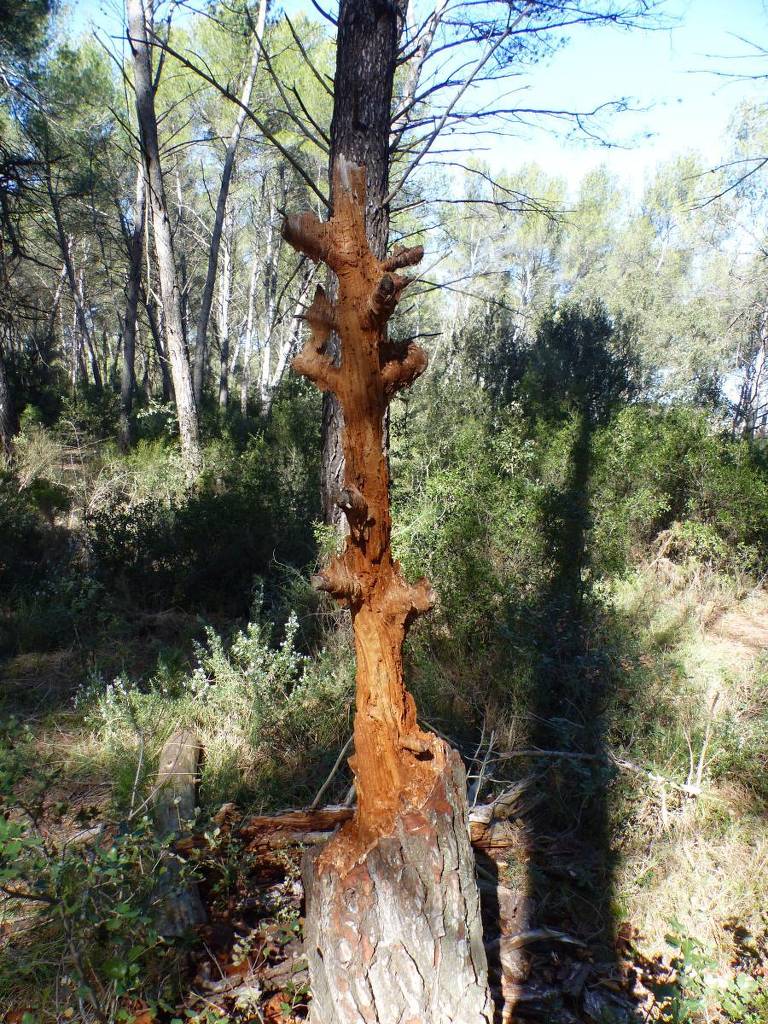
pixel 186 408
pixel 366 57
pixel 393 919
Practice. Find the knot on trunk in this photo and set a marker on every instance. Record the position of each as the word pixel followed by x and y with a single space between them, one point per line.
pixel 309 235
pixel 353 504
pixel 405 601
pixel 312 361
pixel 402 257
pixel 321 317
pixel 316 366
pixel 384 298
pixel 401 365
pixel 339 582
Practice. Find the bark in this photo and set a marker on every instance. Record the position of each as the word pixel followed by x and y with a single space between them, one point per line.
pixel 186 407
pixel 8 420
pixel 221 205
pixel 225 295
pixel 393 923
pixel 134 240
pixel 367 46
pixel 155 330
pixel 245 379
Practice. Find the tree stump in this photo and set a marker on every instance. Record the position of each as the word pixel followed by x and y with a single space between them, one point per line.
pixel 397 937
pixel 393 921
pixel 180 906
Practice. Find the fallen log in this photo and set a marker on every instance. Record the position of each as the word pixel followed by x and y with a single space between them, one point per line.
pixel 260 833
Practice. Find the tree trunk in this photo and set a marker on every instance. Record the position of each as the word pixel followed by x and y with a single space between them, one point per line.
pixel 365 68
pixel 74 280
pixel 393 922
pixel 221 205
pixel 245 379
pixel 155 329
pixel 8 420
pixel 92 354
pixel 186 408
pixel 225 295
pixel 134 240
pixel 288 347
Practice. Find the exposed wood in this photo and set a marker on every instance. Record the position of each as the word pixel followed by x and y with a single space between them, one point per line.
pixel 393 928
pixel 489 825
pixel 180 906
pixel 366 58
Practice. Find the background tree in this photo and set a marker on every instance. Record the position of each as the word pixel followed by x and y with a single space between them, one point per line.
pixel 144 85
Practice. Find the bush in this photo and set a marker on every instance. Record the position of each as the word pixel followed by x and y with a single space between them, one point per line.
pixel 91 901
pixel 269 717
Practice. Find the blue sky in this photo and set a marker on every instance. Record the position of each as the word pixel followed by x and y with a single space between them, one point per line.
pixel 658 70
pixel 662 71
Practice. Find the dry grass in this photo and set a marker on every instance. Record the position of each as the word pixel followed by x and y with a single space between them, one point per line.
pixel 701 861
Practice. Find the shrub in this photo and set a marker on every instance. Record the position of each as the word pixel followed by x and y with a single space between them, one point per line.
pixel 90 901
pixel 268 716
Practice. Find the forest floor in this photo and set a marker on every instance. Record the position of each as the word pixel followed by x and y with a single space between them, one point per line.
pixel 690 866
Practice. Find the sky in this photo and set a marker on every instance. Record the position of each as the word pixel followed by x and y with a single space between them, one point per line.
pixel 666 73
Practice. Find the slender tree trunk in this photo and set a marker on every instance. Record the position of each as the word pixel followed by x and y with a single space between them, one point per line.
pixel 393 930
pixel 221 205
pixel 288 346
pixel 183 275
pixel 74 280
pixel 415 67
pixel 79 369
pixel 8 421
pixel 51 328
pixel 82 319
pixel 186 407
pixel 245 378
pixel 134 241
pixel 268 320
pixel 156 330
pixel 9 424
pixel 225 295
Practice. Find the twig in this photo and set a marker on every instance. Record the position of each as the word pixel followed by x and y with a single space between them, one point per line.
pixel 478 784
pixel 316 802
